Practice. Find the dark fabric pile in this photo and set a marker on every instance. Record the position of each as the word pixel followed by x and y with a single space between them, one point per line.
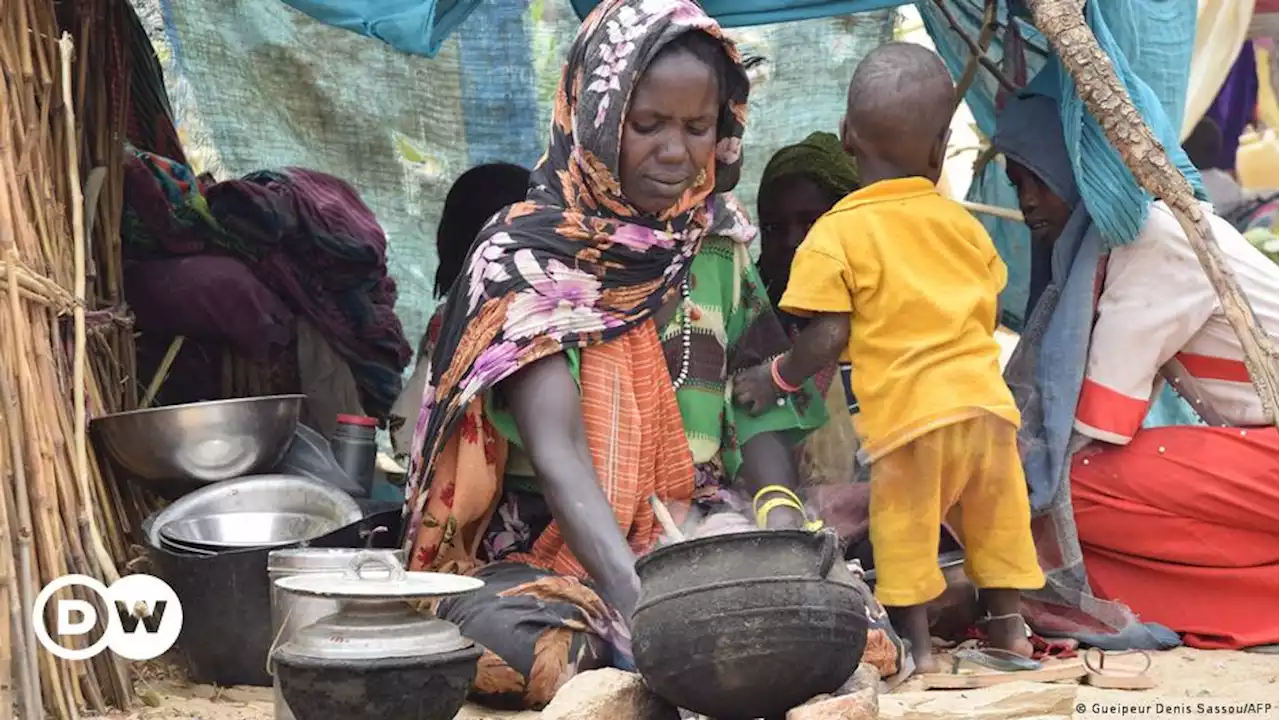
pixel 305 235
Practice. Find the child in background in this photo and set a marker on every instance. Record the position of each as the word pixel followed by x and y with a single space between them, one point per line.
pixel 903 282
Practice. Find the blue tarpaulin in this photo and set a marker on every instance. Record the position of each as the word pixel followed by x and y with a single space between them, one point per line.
pixel 420 27
pixel 744 13
pixel 417 27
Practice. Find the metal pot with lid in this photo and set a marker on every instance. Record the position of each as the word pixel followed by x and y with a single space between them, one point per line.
pixel 290 612
pixel 377 657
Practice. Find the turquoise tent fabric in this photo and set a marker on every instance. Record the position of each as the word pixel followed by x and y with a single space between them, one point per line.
pixel 745 13
pixel 1161 53
pixel 1118 206
pixel 418 27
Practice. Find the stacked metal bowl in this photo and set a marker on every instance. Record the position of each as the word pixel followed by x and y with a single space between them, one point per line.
pixel 259 511
pixel 175 449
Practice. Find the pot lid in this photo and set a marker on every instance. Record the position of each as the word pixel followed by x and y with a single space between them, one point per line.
pixel 373 631
pixel 378 576
pixel 320 560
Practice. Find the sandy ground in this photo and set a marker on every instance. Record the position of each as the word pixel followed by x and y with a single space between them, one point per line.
pixel 1182 673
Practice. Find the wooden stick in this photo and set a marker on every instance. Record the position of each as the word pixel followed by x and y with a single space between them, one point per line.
pixel 22 505
pixel 667 522
pixel 162 372
pixel 974 49
pixel 1063 23
pixel 9 625
pixel 993 210
pixel 985 36
pixel 86 517
pixel 28 567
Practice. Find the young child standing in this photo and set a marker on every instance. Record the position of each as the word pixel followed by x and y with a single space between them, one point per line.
pixel 903 282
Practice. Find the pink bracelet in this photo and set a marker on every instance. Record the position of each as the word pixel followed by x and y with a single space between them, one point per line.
pixel 783 385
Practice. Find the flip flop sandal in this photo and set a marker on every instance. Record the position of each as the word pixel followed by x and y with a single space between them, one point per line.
pixel 1117 677
pixel 997 668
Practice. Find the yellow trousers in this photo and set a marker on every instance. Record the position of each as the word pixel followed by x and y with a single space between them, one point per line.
pixel 970 474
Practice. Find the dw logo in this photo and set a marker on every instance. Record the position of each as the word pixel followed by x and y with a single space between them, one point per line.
pixel 143 620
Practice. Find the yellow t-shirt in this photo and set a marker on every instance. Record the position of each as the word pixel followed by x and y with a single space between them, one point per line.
pixel 919 277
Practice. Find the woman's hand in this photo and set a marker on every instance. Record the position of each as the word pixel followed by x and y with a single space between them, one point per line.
pixel 545 403
pixel 755 390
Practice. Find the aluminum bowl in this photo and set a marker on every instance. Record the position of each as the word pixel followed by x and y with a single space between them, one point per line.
pixel 256 494
pixel 200 443
pixel 246 529
pixel 186 550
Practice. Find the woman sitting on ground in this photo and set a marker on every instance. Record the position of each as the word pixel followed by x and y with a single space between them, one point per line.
pixel 475 197
pixel 1177 523
pixel 584 357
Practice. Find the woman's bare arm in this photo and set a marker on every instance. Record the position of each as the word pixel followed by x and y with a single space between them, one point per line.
pixel 768 460
pixel 546 405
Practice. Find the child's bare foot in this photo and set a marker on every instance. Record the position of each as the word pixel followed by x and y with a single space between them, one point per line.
pixel 1009 633
pixel 925 662
pixel 1005 627
pixel 912 623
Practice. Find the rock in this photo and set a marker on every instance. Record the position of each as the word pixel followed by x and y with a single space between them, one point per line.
pixel 611 694
pixel 1000 702
pixel 479 712
pixel 864 678
pixel 861 705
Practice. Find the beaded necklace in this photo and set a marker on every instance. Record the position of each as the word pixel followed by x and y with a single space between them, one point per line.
pixel 686 337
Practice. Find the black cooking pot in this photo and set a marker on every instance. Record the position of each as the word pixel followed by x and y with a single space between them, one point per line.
pixel 746 625
pixel 228 595
pixel 432 687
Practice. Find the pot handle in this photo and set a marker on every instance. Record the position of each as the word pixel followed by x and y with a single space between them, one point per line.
pixel 364 559
pixel 829 550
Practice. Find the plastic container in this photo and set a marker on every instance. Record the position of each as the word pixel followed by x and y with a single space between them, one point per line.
pixel 311 456
pixel 355 447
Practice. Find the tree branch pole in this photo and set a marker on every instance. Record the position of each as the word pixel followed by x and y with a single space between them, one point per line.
pixel 1063 23
pixel 975 50
pixel 985 36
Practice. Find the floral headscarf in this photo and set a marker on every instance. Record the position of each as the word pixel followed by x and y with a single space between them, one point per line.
pixel 576 264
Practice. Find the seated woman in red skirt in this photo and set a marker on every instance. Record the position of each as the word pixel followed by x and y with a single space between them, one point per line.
pixel 1179 524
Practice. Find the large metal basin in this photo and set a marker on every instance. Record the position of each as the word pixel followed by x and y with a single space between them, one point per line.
pixel 222 531
pixel 262 495
pixel 200 443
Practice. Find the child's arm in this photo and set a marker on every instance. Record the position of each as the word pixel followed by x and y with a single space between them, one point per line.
pixel 818 346
pixel 821 288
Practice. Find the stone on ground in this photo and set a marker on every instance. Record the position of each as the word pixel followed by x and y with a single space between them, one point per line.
pixel 611 694
pixel 857 699
pixel 861 705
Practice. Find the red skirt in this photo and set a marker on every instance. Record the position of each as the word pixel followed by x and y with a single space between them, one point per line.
pixel 1182 525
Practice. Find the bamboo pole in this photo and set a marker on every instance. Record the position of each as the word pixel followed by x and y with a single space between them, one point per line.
pixel 86 518
pixel 1063 23
pixel 7 584
pixel 58 511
